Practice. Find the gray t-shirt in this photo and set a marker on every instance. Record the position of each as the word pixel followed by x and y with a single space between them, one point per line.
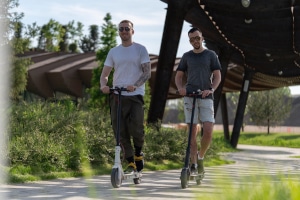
pixel 198 68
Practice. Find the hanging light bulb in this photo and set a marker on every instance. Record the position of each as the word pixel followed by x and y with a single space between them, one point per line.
pixel 248 21
pixel 245 3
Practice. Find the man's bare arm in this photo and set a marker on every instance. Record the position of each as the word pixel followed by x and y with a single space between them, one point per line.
pixel 146 67
pixel 104 76
pixel 104 79
pixel 179 84
pixel 216 79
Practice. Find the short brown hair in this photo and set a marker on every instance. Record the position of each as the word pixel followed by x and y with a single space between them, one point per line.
pixel 192 30
pixel 126 21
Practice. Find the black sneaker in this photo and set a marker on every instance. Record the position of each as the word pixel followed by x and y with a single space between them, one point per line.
pixel 131 168
pixel 194 169
pixel 139 162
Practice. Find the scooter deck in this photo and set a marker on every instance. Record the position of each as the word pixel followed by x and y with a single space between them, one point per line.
pixel 132 175
pixel 197 176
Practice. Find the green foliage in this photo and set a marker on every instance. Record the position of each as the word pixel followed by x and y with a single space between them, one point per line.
pixel 274 139
pixel 51 35
pixel 32 31
pixel 47 138
pixel 9 18
pixel 74 31
pixel 107 41
pixel 73 47
pixel 267 188
pixel 168 144
pixel 19 77
pixel 19 65
pixel 147 98
pixel 269 108
pixel 90 42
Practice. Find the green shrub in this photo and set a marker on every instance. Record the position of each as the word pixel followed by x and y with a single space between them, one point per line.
pixel 50 137
pixel 43 136
pixel 165 144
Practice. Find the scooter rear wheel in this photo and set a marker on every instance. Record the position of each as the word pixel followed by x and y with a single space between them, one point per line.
pixel 116 181
pixel 198 181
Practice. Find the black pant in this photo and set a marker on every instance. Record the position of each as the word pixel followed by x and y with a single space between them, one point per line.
pixel 131 121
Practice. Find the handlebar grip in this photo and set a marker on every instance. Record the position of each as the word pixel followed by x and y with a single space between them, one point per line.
pixel 117 89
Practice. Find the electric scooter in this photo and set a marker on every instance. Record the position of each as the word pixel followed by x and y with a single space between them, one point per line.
pixel 117 174
pixel 185 172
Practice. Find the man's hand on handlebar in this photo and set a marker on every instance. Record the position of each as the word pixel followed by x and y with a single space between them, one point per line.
pixel 203 94
pixel 131 88
pixel 105 89
pixel 182 91
pixel 206 93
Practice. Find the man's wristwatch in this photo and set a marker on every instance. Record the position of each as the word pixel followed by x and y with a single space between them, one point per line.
pixel 212 89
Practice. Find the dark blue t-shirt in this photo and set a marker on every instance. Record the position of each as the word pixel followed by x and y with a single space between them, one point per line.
pixel 198 68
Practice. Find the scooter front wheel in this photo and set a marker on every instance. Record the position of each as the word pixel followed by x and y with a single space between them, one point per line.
pixel 184 178
pixel 115 178
pixel 137 180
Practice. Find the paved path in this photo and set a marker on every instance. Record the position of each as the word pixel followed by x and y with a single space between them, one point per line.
pixel 165 185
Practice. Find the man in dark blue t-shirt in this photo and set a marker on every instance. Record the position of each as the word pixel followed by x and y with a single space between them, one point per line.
pixel 201 67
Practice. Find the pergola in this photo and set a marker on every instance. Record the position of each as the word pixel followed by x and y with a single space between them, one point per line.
pixel 258 44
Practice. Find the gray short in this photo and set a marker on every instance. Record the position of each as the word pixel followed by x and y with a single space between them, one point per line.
pixel 204 110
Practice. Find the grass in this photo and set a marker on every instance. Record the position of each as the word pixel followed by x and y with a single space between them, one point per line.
pixel 259 187
pixel 256 188
pixel 295 156
pixel 291 140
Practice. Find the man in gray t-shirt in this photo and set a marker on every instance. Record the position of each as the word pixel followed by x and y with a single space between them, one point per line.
pixel 202 69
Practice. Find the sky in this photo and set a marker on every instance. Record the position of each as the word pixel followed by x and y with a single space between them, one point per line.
pixel 148 17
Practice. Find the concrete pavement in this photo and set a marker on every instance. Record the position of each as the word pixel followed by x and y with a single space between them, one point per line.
pixel 164 185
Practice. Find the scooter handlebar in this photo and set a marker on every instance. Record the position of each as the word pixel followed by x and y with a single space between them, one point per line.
pixel 117 89
pixel 194 93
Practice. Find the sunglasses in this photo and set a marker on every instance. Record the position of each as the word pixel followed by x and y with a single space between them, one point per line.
pixel 197 38
pixel 127 29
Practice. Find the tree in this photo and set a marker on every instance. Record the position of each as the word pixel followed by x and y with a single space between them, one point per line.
pixel 107 41
pixel 32 32
pixel 63 44
pixel 74 33
pixel 269 108
pixel 70 33
pixel 17 44
pixel 51 35
pixel 90 43
pixel 94 37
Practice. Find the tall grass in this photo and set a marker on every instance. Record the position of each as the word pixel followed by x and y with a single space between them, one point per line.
pixel 256 188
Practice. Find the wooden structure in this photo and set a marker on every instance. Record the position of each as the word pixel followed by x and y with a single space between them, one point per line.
pixel 258 44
